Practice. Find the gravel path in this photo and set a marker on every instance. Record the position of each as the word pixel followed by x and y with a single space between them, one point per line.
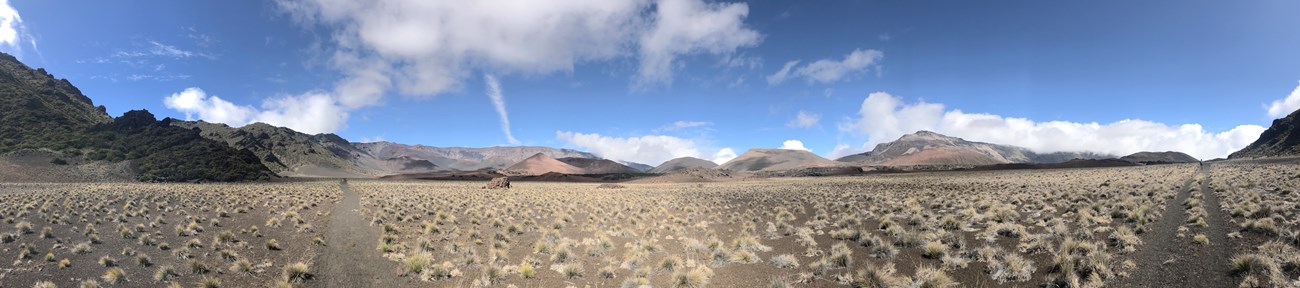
pixel 1169 261
pixel 351 259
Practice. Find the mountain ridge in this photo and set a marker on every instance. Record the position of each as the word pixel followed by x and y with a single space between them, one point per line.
pixel 929 148
pixel 1282 138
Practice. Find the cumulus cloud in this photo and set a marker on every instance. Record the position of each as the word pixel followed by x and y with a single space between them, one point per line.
pixel 723 155
pixel 498 101
pixel 1283 107
pixel 793 145
pixel 689 26
pixel 804 119
pixel 193 101
pixel 649 149
pixel 312 113
pixel 428 47
pixel 827 70
pixel 884 117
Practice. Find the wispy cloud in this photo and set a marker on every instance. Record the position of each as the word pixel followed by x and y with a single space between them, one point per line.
pixel 679 125
pixel 827 70
pixel 160 49
pixel 804 119
pixel 13 34
pixel 499 101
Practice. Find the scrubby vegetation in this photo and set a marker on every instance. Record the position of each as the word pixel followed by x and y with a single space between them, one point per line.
pixel 1018 228
pixel 1053 228
pixel 117 234
pixel 1262 202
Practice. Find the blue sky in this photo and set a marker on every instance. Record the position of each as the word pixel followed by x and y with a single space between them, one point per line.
pixel 648 80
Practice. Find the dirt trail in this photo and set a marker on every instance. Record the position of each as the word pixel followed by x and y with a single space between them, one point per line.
pixel 1169 261
pixel 351 259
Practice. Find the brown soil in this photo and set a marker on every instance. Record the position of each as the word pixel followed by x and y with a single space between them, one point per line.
pixel 350 259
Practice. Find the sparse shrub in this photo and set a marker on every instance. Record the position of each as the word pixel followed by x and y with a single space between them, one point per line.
pixel 931 277
pixel 242 266
pixel 572 270
pixel 1010 267
pixel 210 282
pixel 1259 266
pixel 492 275
pixel 1201 239
pixel 114 275
pixel 745 257
pixel 164 273
pixel 934 250
pixel 107 261
pixel 198 267
pixel 670 263
pixel 696 278
pixel 416 263
pixel 1265 226
pixel 785 261
pixel 527 271
pixel 296 272
pixel 441 271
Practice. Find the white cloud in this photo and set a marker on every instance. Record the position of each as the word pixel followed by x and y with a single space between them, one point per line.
pixel 793 145
pixel 842 150
pixel 311 113
pixel 13 34
pixel 828 71
pixel 689 124
pixel 209 108
pixel 723 155
pixel 782 74
pixel 804 119
pixel 169 50
pixel 10 24
pixel 691 26
pixel 498 101
pixel 308 113
pixel 649 149
pixel 428 47
pixel 885 117
pixel 679 125
pixel 1283 107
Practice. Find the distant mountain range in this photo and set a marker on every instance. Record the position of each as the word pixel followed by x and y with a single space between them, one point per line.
pixel 775 159
pixel 683 163
pixel 929 148
pixel 467 159
pixel 52 124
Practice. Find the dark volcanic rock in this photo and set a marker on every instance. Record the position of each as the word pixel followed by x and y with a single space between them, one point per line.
pixel 1169 157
